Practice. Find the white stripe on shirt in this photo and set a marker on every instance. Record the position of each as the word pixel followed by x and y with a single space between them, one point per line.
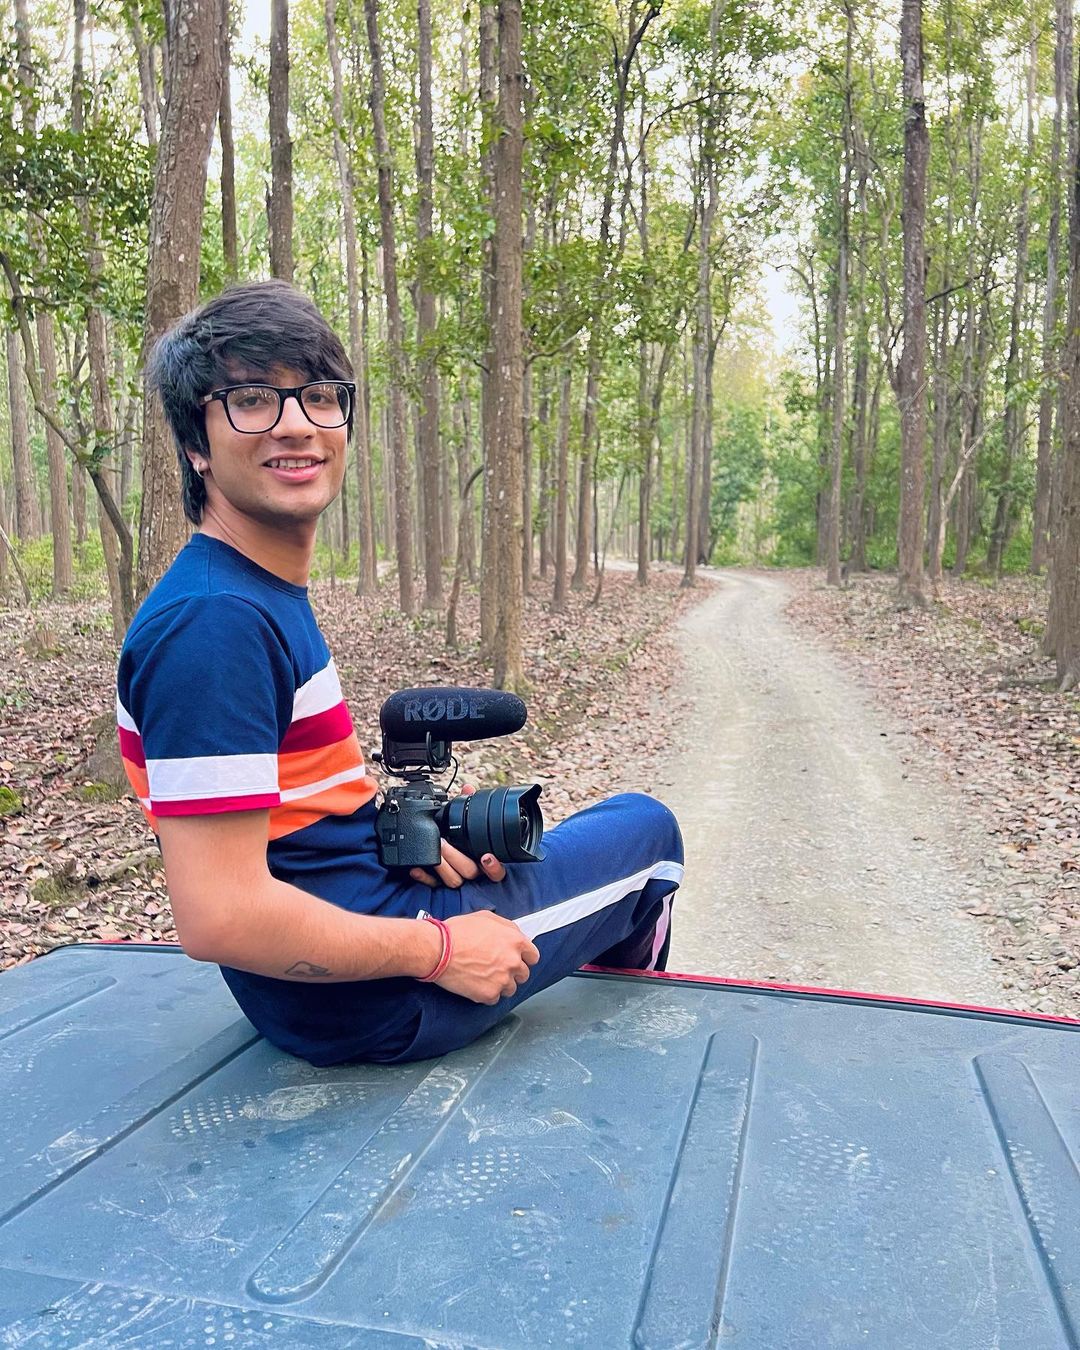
pixel 321 692
pixel 207 776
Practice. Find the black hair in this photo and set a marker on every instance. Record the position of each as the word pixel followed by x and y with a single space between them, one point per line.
pixel 241 334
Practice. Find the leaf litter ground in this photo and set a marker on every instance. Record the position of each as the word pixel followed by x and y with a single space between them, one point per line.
pixel 78 864
pixel 968 676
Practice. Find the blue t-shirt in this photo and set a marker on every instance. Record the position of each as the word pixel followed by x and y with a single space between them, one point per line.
pixel 228 700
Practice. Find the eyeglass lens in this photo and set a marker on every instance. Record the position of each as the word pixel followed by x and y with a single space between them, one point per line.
pixel 255 407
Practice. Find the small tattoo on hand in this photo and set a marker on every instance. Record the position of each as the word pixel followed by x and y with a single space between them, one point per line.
pixel 307 969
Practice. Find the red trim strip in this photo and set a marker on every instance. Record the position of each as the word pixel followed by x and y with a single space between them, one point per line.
pixel 131 746
pixel 833 993
pixel 311 733
pixel 210 806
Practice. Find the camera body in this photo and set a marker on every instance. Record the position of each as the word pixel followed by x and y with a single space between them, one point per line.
pixel 413 819
pixel 407 825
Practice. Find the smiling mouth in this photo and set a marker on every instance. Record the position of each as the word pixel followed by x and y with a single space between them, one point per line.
pixel 284 463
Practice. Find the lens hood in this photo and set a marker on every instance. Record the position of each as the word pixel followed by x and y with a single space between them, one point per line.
pixel 504 821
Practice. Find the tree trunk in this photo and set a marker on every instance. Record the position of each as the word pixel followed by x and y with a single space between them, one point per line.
pixel 911 369
pixel 172 281
pixel 144 56
pixel 398 429
pixel 59 516
pixel 1015 403
pixel 427 373
pixel 1063 618
pixel 839 387
pixel 365 446
pixel 466 531
pixel 526 479
pixel 22 468
pixel 544 493
pixel 365 525
pixel 507 374
pixel 116 544
pixel 623 63
pixel 562 490
pixel 228 152
pixel 1051 358
pixel 488 94
pixel 281 189
pixel 696 452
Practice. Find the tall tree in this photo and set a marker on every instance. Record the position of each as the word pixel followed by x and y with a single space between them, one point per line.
pixel 228 151
pixel 507 373
pixel 839 371
pixel 1063 619
pixel 427 371
pixel 1051 362
pixel 639 17
pixel 911 368
pixel 59 516
pixel 116 544
pixel 403 521
pixel 1015 415
pixel 366 574
pixel 281 167
pixel 22 466
pixel 172 280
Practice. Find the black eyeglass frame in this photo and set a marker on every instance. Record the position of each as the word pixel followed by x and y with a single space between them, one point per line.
pixel 222 396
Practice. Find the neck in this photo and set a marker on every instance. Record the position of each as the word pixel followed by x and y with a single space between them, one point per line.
pixel 287 553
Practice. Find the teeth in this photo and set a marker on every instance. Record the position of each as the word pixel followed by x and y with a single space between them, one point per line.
pixel 291 463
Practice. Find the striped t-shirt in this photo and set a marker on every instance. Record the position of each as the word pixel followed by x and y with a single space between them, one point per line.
pixel 228 700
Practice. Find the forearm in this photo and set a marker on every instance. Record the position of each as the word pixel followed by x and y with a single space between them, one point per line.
pixel 279 930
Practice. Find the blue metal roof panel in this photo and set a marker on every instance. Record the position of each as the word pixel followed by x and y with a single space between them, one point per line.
pixel 621 1163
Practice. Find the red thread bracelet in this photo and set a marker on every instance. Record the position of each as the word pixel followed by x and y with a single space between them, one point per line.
pixel 447 950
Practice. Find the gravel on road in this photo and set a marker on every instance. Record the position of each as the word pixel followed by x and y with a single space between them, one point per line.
pixel 815 853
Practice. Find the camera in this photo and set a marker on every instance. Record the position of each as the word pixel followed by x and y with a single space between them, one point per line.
pixel 417 726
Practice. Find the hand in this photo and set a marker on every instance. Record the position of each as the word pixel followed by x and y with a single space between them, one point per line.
pixel 492 957
pixel 457 867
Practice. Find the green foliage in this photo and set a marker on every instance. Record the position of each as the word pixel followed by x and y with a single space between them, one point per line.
pixel 88 581
pixel 10 801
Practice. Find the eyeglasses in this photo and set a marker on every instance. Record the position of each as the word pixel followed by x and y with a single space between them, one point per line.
pixel 254 408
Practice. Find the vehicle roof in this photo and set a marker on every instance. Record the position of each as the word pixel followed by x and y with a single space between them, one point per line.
pixel 623 1162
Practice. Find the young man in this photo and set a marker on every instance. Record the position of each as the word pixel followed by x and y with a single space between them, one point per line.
pixel 242 752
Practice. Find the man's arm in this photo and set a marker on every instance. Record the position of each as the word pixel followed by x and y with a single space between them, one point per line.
pixel 229 910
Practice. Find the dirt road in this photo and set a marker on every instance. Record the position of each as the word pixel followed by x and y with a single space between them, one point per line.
pixel 815 854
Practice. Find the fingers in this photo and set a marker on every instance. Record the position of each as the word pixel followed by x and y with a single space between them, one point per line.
pixel 493 868
pixel 457 864
pixel 418 874
pixel 530 955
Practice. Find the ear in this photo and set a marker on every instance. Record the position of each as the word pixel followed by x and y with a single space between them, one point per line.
pixel 197 461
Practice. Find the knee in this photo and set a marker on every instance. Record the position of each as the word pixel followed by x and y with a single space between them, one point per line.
pixel 650 817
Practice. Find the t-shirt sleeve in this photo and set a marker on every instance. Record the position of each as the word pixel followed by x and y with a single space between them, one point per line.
pixel 207 699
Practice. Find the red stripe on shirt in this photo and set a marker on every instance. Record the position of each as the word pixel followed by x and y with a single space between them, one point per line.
pixel 208 806
pixel 131 746
pixel 309 733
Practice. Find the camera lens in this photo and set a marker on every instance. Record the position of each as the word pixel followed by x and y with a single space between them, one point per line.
pixel 504 821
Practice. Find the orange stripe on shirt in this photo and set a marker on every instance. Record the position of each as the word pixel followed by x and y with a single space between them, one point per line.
pixel 312 766
pixel 137 777
pixel 342 800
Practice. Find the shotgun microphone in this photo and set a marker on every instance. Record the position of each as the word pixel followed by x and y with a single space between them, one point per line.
pixel 450 714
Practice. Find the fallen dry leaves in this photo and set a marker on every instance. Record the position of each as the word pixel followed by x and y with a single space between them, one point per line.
pixel 968 676
pixel 75 867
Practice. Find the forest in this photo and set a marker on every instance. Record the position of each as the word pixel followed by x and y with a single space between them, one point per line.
pixel 558 240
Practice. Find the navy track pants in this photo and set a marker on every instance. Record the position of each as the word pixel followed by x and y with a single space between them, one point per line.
pixel 602 894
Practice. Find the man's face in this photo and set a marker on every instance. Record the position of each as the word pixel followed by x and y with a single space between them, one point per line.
pixel 279 478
